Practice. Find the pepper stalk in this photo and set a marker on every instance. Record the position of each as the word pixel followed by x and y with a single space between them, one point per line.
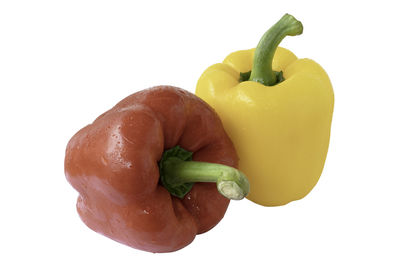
pixel 178 174
pixel 262 64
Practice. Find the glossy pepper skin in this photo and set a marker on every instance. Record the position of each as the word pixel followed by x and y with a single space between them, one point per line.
pixel 112 163
pixel 281 132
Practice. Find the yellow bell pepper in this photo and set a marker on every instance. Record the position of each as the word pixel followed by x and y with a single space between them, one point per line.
pixel 278 115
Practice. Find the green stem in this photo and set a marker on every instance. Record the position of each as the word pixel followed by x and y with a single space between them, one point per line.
pixel 176 172
pixel 262 65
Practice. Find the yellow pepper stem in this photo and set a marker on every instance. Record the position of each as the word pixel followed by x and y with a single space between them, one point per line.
pixel 262 65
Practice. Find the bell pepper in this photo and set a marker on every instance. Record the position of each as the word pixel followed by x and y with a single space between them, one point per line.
pixel 116 162
pixel 277 110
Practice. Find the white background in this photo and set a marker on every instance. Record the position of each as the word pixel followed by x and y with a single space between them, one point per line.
pixel 62 63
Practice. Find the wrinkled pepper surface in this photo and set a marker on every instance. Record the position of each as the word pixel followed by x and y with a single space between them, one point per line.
pixel 114 163
pixel 277 110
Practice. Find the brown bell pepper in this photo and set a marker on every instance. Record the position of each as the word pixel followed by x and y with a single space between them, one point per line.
pixel 116 162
